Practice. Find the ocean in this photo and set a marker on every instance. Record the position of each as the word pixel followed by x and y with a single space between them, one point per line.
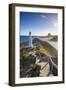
pixel 24 39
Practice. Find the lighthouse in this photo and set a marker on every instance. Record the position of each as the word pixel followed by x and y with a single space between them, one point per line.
pixel 30 40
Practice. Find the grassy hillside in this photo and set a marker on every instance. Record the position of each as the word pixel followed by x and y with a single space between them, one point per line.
pixel 50 50
pixel 55 38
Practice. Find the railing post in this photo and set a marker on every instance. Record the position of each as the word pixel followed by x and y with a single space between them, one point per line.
pixel 50 64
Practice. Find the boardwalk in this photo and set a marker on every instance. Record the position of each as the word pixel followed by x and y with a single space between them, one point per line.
pixel 48 67
pixel 44 68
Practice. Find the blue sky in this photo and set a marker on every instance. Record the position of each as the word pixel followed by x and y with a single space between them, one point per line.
pixel 39 24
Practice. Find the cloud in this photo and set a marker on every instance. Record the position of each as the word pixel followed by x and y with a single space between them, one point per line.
pixel 55 24
pixel 43 16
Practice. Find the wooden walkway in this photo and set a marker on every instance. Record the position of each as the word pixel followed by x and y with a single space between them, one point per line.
pixel 47 66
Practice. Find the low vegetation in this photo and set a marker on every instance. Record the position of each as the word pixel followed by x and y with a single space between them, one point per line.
pixel 28 66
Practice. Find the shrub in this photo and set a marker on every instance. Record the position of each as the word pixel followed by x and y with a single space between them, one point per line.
pixel 35 70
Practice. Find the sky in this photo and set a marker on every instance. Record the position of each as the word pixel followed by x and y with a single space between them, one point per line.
pixel 39 24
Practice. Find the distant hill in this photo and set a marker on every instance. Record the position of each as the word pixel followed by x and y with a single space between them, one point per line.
pixel 55 38
pixel 51 50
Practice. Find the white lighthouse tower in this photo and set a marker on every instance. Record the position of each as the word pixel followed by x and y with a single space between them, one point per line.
pixel 30 40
